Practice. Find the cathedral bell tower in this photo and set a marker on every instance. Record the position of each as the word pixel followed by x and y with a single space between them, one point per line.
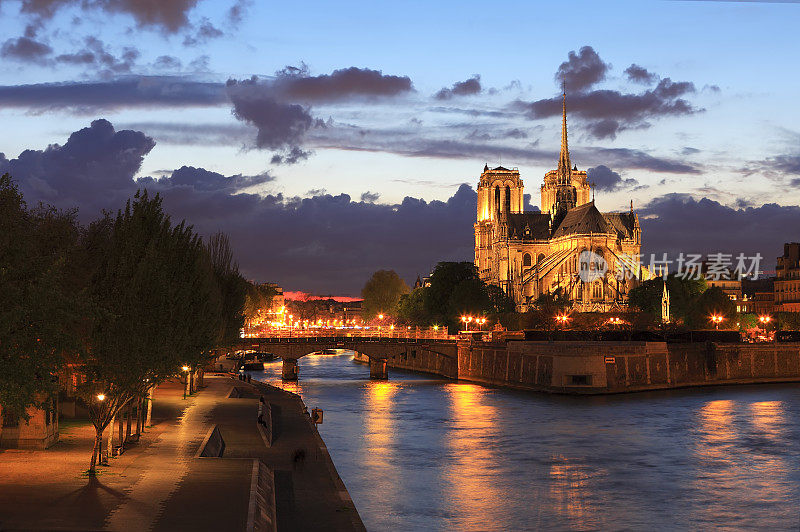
pixel 500 193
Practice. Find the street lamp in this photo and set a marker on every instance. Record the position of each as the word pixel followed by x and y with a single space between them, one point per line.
pixel 101 397
pixel 717 319
pixel 466 322
pixel 186 371
pixel 562 319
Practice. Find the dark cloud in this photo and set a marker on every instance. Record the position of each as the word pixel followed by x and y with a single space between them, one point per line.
pixel 26 49
pixel 784 164
pixel 293 155
pixel 205 32
pixel 237 11
pixel 638 74
pixel 637 159
pixel 280 125
pixel 795 182
pixel 677 223
pixel 581 71
pixel 168 16
pixel 95 55
pixel 607 111
pixel 603 178
pixel 461 88
pixel 202 180
pixel 370 197
pixel 295 84
pixel 688 150
pixel 167 62
pixel 94 169
pixel 129 91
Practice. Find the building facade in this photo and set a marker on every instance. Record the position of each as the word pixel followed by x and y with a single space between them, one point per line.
pixel 569 246
pixel 787 279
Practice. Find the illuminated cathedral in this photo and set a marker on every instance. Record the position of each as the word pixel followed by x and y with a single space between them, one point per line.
pixel 569 246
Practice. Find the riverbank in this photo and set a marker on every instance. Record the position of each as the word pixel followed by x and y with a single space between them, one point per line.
pixel 598 368
pixel 167 482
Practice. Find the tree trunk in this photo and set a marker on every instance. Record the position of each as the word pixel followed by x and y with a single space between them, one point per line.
pixel 191 382
pixel 121 419
pixel 98 443
pixel 150 394
pixel 111 435
pixel 139 403
pixel 1 421
pixel 128 421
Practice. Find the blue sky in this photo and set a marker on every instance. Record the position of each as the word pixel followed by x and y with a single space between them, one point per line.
pixel 724 127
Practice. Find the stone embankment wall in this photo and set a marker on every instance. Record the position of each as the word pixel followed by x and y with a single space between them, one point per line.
pixel 610 367
pixel 442 363
pixel 604 367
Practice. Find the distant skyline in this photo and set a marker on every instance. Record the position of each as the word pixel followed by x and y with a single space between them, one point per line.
pixel 332 141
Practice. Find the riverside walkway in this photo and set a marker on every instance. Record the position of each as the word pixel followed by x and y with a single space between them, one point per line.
pixel 162 483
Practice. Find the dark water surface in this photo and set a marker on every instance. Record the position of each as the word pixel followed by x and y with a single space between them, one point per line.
pixel 420 453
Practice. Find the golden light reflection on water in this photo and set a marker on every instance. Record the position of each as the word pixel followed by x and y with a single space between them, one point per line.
pixel 570 485
pixel 379 428
pixel 471 473
pixel 739 448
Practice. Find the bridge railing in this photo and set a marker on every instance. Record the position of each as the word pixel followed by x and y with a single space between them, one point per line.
pixel 404 333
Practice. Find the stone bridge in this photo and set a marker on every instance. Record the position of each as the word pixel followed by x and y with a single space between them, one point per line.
pixel 442 353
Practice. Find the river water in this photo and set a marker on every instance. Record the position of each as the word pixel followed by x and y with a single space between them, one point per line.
pixel 420 453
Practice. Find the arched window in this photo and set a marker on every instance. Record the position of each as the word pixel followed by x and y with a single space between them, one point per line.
pixel 540 258
pixel 526 260
pixel 597 290
pixel 508 199
pixel 497 198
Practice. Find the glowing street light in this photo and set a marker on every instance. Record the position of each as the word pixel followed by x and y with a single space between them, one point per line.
pixel 101 397
pixel 717 319
pixel 185 370
pixel 562 319
pixel 765 319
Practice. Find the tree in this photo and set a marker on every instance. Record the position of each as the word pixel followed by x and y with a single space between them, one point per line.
pixel 158 306
pixel 711 302
pixel 411 308
pixel 382 292
pixel 682 293
pixel 232 286
pixel 456 289
pixel 40 305
pixel 545 309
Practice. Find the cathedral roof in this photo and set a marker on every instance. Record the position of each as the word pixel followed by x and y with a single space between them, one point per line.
pixel 501 169
pixel 586 218
pixel 622 222
pixel 582 219
pixel 529 225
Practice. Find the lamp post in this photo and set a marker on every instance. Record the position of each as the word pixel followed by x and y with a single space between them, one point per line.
pixel 186 374
pixel 717 319
pixel 764 320
pixel 466 321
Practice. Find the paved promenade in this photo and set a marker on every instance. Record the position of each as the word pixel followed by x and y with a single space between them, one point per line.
pixel 162 484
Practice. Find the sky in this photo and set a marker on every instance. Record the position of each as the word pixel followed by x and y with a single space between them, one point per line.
pixel 333 140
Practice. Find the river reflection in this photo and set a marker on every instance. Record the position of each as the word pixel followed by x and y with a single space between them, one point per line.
pixel 420 453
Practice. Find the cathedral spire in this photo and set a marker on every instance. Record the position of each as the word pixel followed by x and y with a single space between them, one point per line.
pixel 564 166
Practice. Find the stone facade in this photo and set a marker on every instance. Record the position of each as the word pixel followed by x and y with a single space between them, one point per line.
pixel 787 281
pixel 529 254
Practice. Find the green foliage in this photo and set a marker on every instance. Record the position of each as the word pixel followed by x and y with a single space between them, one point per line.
pixel 258 299
pixel 455 289
pixel 748 321
pixel 546 307
pixel 382 292
pixel 682 292
pixel 711 302
pixel 411 308
pixel 40 302
pixel 787 321
pixel 232 287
